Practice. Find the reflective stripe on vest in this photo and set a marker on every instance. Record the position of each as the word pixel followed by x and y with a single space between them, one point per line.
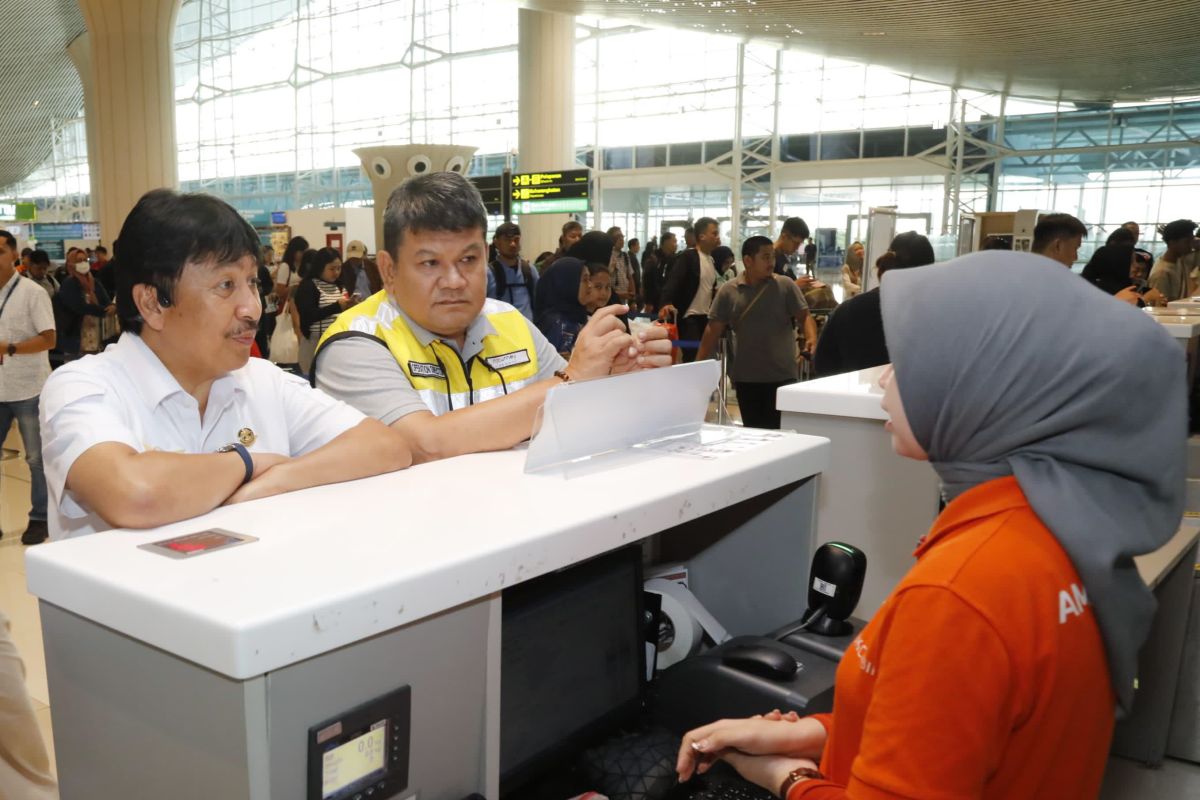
pixel 507 363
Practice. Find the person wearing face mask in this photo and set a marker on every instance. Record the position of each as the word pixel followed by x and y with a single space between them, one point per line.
pixel 84 302
pixel 996 667
pixel 176 419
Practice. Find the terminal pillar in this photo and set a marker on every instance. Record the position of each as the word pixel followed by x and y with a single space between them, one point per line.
pixel 388 166
pixel 546 116
pixel 80 51
pixel 132 106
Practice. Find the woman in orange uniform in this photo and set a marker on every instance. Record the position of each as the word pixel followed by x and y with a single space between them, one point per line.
pixel 995 667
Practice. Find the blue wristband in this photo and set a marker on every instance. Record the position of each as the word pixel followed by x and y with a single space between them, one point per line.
pixel 241 450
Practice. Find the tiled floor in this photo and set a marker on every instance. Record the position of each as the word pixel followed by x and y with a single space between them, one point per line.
pixel 1176 780
pixel 15 602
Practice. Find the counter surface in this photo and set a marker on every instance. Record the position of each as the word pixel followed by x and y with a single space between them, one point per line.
pixel 1182 323
pixel 336 564
pixel 851 394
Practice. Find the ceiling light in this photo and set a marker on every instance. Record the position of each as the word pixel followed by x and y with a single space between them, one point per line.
pixel 874 33
pixel 37 103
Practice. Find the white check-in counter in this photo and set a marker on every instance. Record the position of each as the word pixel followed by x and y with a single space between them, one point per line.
pixel 869 496
pixel 200 678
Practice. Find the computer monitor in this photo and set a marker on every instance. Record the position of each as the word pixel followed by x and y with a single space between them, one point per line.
pixel 572 662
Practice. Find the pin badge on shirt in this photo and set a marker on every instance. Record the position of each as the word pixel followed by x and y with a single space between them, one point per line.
pixel 247 437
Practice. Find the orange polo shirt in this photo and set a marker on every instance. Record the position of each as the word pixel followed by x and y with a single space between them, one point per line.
pixel 982 676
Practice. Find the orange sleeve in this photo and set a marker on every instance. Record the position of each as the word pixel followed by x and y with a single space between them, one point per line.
pixel 826 720
pixel 940 709
pixel 942 706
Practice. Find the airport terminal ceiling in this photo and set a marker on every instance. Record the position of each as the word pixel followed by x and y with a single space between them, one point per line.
pixel 1095 51
pixel 1078 50
pixel 40 83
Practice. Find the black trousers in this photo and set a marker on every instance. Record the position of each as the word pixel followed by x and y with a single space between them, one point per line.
pixel 692 328
pixel 757 404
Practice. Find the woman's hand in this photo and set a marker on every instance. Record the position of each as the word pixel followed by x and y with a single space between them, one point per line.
pixel 770 735
pixel 1154 298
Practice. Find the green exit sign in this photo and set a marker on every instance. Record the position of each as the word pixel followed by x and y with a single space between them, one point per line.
pixel 558 205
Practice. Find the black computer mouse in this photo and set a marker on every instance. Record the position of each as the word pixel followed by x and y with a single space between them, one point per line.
pixel 762 660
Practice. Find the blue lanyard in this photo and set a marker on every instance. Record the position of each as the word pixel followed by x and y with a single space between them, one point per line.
pixel 16 277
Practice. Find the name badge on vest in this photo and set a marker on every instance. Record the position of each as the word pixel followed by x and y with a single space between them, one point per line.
pixel 509 359
pixel 422 370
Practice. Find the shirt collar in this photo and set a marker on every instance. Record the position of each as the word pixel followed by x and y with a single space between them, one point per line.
pixel 479 328
pixel 984 500
pixel 155 381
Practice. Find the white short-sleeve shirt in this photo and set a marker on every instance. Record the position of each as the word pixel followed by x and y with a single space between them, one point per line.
pixel 25 311
pixel 127 395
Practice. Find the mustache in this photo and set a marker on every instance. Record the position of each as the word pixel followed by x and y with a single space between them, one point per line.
pixel 240 330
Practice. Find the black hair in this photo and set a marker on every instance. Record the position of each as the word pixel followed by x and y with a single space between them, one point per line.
pixel 1179 229
pixel 39 257
pixel 165 232
pixel 907 250
pixel 751 246
pixel 437 201
pixel 666 235
pixel 1053 227
pixel 702 224
pixel 594 247
pixel 796 227
pixel 8 237
pixel 571 225
pixel 296 246
pixel 26 251
pixel 633 241
pixel 314 262
pixel 101 249
pixel 1121 235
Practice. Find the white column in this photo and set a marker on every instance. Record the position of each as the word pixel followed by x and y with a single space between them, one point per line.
pixel 132 109
pixel 546 119
pixel 80 51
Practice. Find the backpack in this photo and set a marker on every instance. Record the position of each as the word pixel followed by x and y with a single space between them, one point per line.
pixel 498 272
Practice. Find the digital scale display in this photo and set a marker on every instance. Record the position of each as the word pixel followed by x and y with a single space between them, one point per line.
pixel 363 758
pixel 363 751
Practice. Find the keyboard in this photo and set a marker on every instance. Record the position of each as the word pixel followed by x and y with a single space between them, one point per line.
pixel 721 783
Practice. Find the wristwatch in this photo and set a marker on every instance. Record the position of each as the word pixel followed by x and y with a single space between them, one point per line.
pixel 797 775
pixel 12 348
pixel 240 449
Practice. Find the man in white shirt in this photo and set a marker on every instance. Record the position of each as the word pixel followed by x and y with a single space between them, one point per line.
pixel 26 334
pixel 692 285
pixel 176 418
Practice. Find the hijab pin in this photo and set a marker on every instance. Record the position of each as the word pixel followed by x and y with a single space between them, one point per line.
pixel 247 436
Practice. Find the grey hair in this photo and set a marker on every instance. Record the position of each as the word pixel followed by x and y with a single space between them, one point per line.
pixel 437 201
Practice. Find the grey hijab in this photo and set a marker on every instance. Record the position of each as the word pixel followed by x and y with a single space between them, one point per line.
pixel 1010 365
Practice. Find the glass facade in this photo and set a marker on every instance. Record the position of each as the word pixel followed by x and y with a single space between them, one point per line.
pixel 272 97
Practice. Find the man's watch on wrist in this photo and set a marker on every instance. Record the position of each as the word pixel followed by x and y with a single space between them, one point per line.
pixel 797 775
pixel 12 348
pixel 240 449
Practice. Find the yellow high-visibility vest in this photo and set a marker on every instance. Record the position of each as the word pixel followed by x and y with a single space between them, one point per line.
pixel 440 375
